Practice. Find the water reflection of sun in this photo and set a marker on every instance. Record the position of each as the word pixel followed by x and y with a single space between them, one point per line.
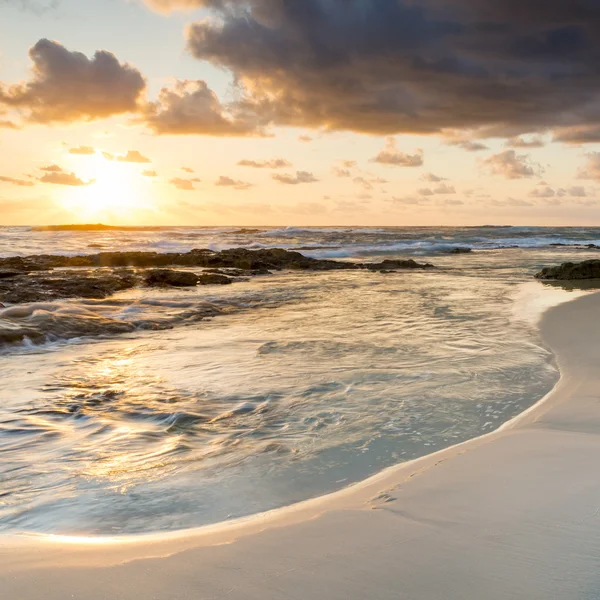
pixel 116 192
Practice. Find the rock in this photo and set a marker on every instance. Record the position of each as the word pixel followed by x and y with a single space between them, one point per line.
pixel 250 261
pixel 459 250
pixel 8 274
pixel 394 265
pixel 45 286
pixel 214 279
pixel 168 278
pixel 588 269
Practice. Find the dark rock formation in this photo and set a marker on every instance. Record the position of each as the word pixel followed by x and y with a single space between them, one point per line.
pixel 214 279
pixel 40 287
pixel 263 260
pixel 588 269
pixel 168 278
pixel 459 250
pixel 44 277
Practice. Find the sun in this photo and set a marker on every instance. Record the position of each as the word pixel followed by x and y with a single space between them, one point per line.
pixel 116 192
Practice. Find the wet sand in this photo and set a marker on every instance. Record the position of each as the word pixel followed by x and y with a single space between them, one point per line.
pixel 513 514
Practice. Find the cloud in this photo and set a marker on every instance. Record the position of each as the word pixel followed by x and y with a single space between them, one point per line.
pixel 511 165
pixel 543 192
pixel 191 107
pixel 305 138
pixel 469 145
pixel 149 173
pixel 519 142
pixel 509 202
pixel 399 66
pixel 444 188
pixel 84 150
pixel 591 170
pixel 51 169
pixel 275 163
pixel 186 185
pixel 19 182
pixel 578 135
pixel 6 124
pixel 339 172
pixel 432 178
pixel 367 185
pixel 390 155
pixel 425 192
pixel 67 86
pixel 300 177
pixel 63 178
pixel 134 156
pixel 224 181
pixel 187 169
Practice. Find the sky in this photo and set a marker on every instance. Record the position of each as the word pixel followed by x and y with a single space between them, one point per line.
pixel 300 112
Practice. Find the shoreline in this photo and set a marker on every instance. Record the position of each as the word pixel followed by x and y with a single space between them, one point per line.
pixel 461 510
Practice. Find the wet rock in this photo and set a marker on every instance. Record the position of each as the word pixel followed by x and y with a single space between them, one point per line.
pixel 253 261
pixel 394 265
pixel 214 279
pixel 44 286
pixel 459 250
pixel 8 274
pixel 168 278
pixel 588 269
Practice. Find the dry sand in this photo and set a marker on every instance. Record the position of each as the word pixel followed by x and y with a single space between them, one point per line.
pixel 514 514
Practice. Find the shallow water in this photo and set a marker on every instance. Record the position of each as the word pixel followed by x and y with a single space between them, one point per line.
pixel 300 384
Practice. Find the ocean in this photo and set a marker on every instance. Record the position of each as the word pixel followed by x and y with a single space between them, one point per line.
pixel 295 385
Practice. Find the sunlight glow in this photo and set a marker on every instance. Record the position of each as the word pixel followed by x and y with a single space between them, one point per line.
pixel 118 193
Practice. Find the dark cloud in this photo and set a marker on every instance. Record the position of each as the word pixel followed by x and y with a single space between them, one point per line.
pixel 63 178
pixel 391 156
pixel 19 182
pixel 68 86
pixel 299 177
pixel 511 165
pixel 224 181
pixel 191 107
pixel 83 150
pixel 275 163
pixel 578 135
pixel 186 185
pixel 392 66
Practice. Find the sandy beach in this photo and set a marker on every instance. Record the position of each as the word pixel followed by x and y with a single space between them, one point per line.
pixel 513 514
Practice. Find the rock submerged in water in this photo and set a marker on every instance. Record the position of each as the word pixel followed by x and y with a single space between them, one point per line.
pixel 588 269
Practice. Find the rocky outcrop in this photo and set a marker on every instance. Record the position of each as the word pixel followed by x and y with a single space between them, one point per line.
pixel 263 260
pixel 168 278
pixel 214 279
pixel 47 277
pixel 588 269
pixel 45 286
pixel 459 250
